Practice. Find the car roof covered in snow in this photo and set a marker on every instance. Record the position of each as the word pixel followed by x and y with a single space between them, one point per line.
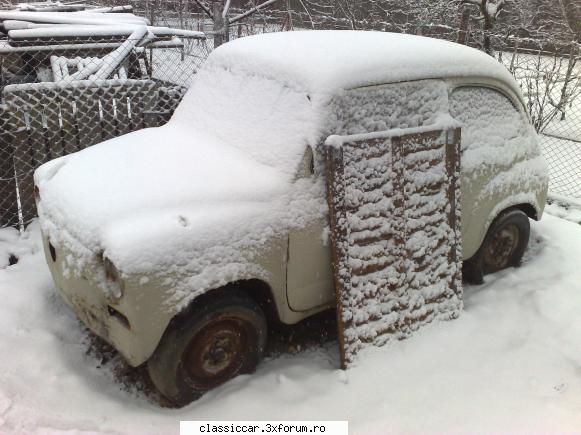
pixel 343 59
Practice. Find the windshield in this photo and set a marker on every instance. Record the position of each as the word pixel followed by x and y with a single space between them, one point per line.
pixel 265 118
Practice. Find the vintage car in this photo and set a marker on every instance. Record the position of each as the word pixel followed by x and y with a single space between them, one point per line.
pixel 180 245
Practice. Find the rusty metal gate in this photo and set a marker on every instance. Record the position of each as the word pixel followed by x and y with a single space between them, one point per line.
pixel 395 230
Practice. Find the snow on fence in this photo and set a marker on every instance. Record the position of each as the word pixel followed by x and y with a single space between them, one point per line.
pixel 59 95
pixel 394 201
pixel 74 76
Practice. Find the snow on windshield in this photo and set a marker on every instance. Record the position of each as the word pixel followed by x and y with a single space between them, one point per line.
pixel 271 121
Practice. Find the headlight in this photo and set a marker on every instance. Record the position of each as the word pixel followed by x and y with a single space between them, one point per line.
pixel 114 282
pixel 111 272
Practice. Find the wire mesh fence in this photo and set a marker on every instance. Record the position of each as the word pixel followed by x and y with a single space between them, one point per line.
pixel 60 95
pixel 551 85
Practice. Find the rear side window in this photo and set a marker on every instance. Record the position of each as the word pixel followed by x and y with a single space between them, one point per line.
pixel 398 105
pixel 493 130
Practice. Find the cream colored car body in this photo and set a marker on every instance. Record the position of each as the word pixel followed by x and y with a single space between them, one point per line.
pixel 299 280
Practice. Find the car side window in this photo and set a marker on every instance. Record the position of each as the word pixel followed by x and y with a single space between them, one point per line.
pixel 397 105
pixel 490 123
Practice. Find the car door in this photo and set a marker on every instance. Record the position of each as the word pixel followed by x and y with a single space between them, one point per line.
pixel 362 110
pixel 309 271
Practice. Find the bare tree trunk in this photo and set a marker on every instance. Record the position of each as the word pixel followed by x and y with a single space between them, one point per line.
pixel 514 56
pixel 221 31
pixel 464 24
pixel 568 76
pixel 488 23
pixel 572 13
pixel 290 15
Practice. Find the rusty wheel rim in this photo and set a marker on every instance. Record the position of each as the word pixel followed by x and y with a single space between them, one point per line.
pixel 216 353
pixel 501 248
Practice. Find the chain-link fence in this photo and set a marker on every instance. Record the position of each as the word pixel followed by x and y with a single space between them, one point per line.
pixel 551 85
pixel 62 94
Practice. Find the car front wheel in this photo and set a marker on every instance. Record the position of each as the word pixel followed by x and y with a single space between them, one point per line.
pixel 222 337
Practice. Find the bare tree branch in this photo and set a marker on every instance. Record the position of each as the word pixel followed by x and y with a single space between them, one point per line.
pixel 205 8
pixel 572 14
pixel 251 11
pixel 226 9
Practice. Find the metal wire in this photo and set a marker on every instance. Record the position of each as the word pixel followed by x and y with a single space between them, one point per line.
pixel 58 96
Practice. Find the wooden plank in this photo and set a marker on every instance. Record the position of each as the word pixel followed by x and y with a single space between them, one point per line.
pixel 108 119
pixel 87 117
pixel 143 100
pixel 50 103
pixel 122 112
pixel 69 129
pixel 31 104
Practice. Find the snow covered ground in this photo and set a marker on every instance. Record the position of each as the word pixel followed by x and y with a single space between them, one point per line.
pixel 510 364
pixel 565 210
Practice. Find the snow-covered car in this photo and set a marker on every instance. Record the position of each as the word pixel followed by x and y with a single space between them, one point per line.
pixel 180 245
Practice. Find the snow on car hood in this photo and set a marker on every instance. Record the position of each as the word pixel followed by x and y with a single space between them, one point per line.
pixel 167 171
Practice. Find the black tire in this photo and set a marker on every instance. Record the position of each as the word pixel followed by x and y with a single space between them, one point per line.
pixel 503 247
pixel 221 337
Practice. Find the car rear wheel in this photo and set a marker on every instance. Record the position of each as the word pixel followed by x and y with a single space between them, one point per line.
pixel 503 247
pixel 220 338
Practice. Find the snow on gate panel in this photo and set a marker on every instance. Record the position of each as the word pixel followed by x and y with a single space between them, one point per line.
pixel 394 207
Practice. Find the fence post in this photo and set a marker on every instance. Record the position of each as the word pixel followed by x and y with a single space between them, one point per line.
pixel 8 200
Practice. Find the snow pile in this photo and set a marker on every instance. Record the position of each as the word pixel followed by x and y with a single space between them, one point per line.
pixel 510 364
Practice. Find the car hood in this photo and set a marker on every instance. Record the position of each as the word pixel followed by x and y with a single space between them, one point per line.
pixel 171 171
